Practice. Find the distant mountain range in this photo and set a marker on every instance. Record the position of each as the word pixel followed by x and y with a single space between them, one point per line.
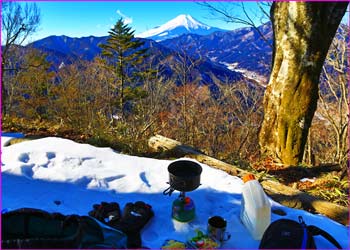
pixel 85 48
pixel 225 56
pixel 182 24
pixel 62 50
pixel 239 50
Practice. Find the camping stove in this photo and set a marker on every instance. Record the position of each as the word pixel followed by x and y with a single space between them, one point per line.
pixel 184 176
pixel 183 208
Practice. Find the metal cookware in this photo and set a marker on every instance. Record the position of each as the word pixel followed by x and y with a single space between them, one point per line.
pixel 184 176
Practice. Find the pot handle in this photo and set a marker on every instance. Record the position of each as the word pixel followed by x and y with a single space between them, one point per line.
pixel 168 191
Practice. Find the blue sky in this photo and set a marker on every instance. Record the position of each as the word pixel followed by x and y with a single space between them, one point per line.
pixel 85 18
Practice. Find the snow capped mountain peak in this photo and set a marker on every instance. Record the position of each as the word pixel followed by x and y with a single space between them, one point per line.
pixel 187 21
pixel 178 26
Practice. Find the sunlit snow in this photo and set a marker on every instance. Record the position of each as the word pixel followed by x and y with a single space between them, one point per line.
pixel 40 172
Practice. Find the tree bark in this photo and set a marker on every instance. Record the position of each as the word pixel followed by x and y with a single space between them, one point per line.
pixel 303 32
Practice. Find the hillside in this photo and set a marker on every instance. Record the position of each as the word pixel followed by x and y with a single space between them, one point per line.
pixel 62 49
pixel 225 55
pixel 240 49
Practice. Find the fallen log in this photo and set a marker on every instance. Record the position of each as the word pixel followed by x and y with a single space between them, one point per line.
pixel 291 197
pixel 172 148
pixel 283 194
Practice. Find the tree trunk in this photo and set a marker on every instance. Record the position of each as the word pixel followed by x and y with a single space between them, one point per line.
pixel 303 32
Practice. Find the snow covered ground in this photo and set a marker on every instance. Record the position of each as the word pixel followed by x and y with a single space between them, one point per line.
pixel 37 173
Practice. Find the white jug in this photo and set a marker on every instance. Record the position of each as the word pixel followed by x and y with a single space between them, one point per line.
pixel 255 207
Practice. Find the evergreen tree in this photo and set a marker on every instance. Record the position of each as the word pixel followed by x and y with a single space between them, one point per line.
pixel 125 53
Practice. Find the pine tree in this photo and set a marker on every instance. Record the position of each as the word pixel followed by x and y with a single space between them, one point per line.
pixel 125 53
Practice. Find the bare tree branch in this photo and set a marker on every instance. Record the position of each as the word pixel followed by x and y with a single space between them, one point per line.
pixel 226 14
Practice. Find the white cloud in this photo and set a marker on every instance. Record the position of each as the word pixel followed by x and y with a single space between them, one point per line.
pixel 126 19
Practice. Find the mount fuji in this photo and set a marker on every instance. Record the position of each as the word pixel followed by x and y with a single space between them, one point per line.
pixel 182 24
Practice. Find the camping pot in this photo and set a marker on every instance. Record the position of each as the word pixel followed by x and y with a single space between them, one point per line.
pixel 184 176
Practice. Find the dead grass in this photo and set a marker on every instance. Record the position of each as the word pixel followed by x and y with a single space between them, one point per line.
pixel 325 184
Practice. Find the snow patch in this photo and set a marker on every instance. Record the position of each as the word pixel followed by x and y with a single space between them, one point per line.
pixel 59 175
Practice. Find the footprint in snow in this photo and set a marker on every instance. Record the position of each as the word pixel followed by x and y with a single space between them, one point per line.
pixel 144 179
pixel 113 178
pixel 24 157
pixel 27 170
pixel 50 155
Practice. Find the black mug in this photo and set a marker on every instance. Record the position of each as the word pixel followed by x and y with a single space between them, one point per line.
pixel 217 229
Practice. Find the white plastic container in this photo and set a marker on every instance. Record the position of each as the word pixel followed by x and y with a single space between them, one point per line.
pixel 255 207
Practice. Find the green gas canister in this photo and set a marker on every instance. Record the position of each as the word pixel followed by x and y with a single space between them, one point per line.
pixel 183 209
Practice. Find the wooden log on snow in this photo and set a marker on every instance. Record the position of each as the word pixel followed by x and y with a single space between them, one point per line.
pixel 283 194
pixel 173 148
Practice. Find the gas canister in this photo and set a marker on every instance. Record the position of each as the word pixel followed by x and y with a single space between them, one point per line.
pixel 183 209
